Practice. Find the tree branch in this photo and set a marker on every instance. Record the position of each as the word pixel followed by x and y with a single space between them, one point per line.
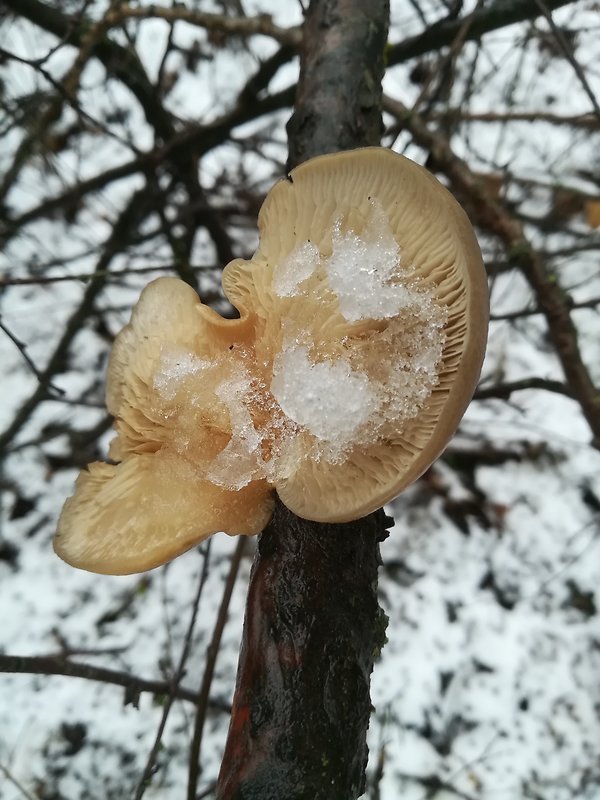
pixel 503 391
pixel 59 665
pixel 212 652
pixel 198 140
pixel 215 23
pixel 127 221
pixel 338 102
pixel 179 672
pixel 22 348
pixel 496 218
pixel 499 15
pixel 302 703
pixel 312 630
pixel 585 121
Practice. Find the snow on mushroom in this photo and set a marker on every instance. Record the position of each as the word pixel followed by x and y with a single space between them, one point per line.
pixel 362 329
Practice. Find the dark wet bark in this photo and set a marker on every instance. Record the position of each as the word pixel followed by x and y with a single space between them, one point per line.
pixel 338 101
pixel 313 626
pixel 312 630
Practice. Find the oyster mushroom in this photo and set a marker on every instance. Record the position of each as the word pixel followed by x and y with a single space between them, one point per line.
pixel 362 329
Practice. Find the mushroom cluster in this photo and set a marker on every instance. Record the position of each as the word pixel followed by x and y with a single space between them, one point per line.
pixel 361 332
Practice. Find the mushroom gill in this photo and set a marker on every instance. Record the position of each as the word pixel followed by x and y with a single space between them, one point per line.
pixel 362 329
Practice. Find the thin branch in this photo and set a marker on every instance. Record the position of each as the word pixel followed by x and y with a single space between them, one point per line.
pixel 129 219
pixel 503 391
pixel 69 83
pixel 120 62
pixel 10 777
pixel 68 97
pixel 210 789
pixel 511 316
pixel 127 67
pixel 443 71
pixel 198 140
pixel 22 348
pixel 40 280
pixel 569 55
pixel 209 670
pixel 498 15
pixel 495 217
pixel 585 121
pixel 187 643
pixel 434 785
pixel 61 665
pixel 71 197
pixel 262 24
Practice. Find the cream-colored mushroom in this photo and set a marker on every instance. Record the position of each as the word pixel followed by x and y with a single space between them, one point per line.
pixel 362 329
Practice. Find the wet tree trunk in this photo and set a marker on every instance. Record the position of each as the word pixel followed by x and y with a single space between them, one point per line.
pixel 313 626
pixel 338 102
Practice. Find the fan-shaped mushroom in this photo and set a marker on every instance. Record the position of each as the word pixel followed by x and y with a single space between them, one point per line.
pixel 363 319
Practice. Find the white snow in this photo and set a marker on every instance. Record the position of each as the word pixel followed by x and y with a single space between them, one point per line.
pixel 240 461
pixel 388 374
pixel 361 269
pixel 328 398
pixel 175 367
pixel 299 265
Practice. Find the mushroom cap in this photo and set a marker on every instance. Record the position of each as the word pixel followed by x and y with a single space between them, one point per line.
pixel 362 330
pixel 438 250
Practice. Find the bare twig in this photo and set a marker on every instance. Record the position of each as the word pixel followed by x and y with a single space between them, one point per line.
pixel 511 316
pixel 68 84
pixel 198 140
pixel 149 769
pixel 39 280
pixel 19 786
pixel 503 391
pixel 69 97
pixel 434 785
pixel 261 24
pixel 495 217
pixel 209 669
pixel 585 121
pixel 117 240
pixel 431 87
pixel 569 55
pixel 22 348
pixel 497 15
pixel 62 665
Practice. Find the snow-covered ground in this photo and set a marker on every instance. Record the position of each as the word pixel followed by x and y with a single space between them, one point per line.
pixel 488 687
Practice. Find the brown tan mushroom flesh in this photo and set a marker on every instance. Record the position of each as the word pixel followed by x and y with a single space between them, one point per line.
pixel 156 502
pixel 362 329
